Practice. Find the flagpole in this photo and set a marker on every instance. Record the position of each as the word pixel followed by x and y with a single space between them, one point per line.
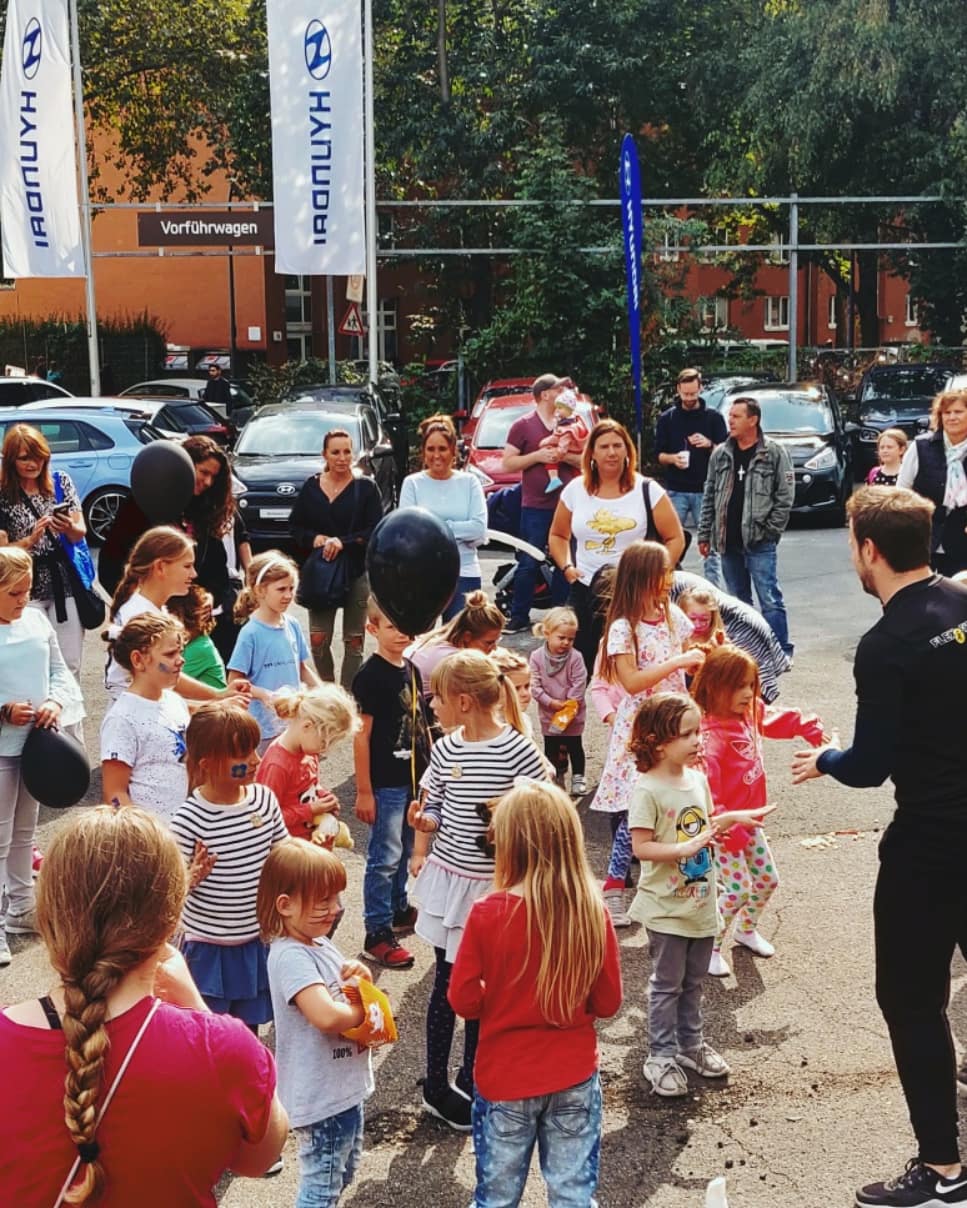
pixel 369 161
pixel 85 200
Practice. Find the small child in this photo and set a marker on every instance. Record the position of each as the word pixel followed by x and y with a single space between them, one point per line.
pixel 559 681
pixel 202 660
pixel 538 963
pixel 316 719
pixel 390 751
pixel 890 450
pixel 225 830
pixel 702 608
pixel 517 669
pixel 143 732
pixel 271 651
pixel 670 813
pixel 734 723
pixel 324 1079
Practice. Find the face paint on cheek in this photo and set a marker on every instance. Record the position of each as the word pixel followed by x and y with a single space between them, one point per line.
pixel 239 771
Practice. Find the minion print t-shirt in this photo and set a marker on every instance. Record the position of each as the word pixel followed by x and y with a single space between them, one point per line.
pixel 676 898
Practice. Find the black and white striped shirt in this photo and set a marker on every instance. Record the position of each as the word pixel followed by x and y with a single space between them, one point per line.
pixel 463 777
pixel 221 909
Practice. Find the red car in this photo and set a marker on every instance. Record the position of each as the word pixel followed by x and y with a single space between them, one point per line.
pixel 486 448
pixel 498 388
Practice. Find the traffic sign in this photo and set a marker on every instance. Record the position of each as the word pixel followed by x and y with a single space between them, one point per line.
pixel 352 321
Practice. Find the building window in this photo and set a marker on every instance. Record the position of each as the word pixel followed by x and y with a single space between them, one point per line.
pixel 777 313
pixel 831 313
pixel 911 317
pixel 781 253
pixel 713 313
pixel 386 317
pixel 385 229
pixel 670 249
pixel 298 318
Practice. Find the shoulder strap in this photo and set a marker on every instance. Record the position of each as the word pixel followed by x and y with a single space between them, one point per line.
pixel 651 532
pixel 48 1008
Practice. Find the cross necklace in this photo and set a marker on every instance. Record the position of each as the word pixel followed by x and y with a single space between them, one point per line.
pixel 741 473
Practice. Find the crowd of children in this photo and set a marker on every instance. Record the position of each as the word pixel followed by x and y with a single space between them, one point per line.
pixel 473 845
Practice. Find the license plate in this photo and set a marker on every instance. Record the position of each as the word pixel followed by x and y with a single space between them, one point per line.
pixel 275 513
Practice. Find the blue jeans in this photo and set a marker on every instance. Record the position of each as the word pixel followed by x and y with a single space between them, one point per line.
pixel 329 1152
pixel 465 585
pixel 744 568
pixel 535 524
pixel 567 1128
pixel 688 505
pixel 387 860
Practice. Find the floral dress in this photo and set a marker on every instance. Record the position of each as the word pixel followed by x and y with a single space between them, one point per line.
pixel 657 643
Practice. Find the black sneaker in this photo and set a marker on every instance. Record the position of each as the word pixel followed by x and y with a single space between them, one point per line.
pixel 451 1107
pixel 384 949
pixel 517 627
pixel 918 1187
pixel 404 921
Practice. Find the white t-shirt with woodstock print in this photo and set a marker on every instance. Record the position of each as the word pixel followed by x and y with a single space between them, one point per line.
pixel 604 528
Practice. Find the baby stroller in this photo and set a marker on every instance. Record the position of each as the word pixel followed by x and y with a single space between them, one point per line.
pixel 503 524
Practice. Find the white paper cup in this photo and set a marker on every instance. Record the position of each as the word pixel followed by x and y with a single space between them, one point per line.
pixel 687 454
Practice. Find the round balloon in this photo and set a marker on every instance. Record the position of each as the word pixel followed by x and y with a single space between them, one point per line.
pixel 163 481
pixel 413 564
pixel 54 768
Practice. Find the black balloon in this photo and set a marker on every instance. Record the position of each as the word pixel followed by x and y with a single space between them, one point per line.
pixel 163 481
pixel 54 768
pixel 413 564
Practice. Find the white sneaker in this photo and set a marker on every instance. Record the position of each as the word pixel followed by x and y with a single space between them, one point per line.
pixel 21 924
pixel 666 1076
pixel 705 1061
pixel 614 900
pixel 579 786
pixel 5 956
pixel 754 942
pixel 717 966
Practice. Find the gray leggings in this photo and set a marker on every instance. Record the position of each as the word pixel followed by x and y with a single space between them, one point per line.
pixel 679 966
pixel 322 623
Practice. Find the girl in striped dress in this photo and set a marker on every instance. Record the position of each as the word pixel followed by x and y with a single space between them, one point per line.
pixel 225 830
pixel 482 755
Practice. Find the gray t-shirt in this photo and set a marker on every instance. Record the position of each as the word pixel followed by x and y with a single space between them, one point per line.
pixel 320 1074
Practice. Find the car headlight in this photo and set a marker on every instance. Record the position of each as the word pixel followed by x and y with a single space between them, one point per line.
pixel 870 435
pixel 485 478
pixel 825 459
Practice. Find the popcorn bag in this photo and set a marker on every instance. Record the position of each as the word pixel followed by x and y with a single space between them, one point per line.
pixel 378 1026
pixel 563 717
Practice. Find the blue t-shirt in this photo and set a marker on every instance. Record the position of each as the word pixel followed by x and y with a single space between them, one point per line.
pixel 271 657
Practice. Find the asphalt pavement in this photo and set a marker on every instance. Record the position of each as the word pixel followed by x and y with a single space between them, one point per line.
pixel 812 1108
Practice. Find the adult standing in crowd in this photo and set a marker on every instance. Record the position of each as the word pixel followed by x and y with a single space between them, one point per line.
pixel 934 467
pixel 910 671
pixel 122 992
pixel 530 449
pixel 336 512
pixel 217 389
pixel 745 509
pixel 685 436
pixel 600 514
pixel 452 495
pixel 34 519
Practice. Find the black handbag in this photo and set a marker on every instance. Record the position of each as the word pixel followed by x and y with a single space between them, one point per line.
pixel 324 584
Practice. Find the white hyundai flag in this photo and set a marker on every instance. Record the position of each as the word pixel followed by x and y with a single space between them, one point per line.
pixel 316 92
pixel 39 216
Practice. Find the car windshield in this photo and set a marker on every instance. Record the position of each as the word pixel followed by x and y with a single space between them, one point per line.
pixel 185 416
pixel 496 422
pixel 794 413
pixel 901 383
pixel 292 433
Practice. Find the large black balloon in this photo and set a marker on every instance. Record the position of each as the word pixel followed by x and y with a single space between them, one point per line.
pixel 54 768
pixel 413 564
pixel 163 481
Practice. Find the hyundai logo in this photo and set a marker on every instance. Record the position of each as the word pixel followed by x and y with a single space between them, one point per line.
pixel 285 488
pixel 318 49
pixel 32 45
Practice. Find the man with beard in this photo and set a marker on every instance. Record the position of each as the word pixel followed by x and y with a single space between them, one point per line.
pixel 910 670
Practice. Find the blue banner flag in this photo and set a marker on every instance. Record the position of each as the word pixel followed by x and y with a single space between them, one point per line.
pixel 629 182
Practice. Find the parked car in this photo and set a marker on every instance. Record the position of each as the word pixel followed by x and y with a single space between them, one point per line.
pixel 240 408
pixel 15 391
pixel 281 446
pixel 894 396
pixel 95 445
pixel 383 398
pixel 498 388
pixel 805 418
pixel 490 435
pixel 175 418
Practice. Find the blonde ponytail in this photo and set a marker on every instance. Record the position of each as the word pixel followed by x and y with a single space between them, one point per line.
pixel 162 544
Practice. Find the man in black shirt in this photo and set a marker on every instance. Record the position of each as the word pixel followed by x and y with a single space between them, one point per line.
pixel 910 670
pixel 217 390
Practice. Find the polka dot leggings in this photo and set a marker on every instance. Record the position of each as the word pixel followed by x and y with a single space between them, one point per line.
pixel 746 880
pixel 440 1022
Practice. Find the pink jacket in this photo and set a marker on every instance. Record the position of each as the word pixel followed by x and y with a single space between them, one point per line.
pixel 732 753
pixel 570 683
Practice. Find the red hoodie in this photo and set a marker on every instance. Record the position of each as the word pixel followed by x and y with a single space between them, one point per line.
pixel 732 754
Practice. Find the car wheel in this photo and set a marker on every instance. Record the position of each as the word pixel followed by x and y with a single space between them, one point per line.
pixel 100 512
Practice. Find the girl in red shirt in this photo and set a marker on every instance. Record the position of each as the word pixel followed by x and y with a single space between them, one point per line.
pixel 537 964
pixel 734 722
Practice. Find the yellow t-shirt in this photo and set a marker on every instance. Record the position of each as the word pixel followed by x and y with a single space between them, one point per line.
pixel 675 898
